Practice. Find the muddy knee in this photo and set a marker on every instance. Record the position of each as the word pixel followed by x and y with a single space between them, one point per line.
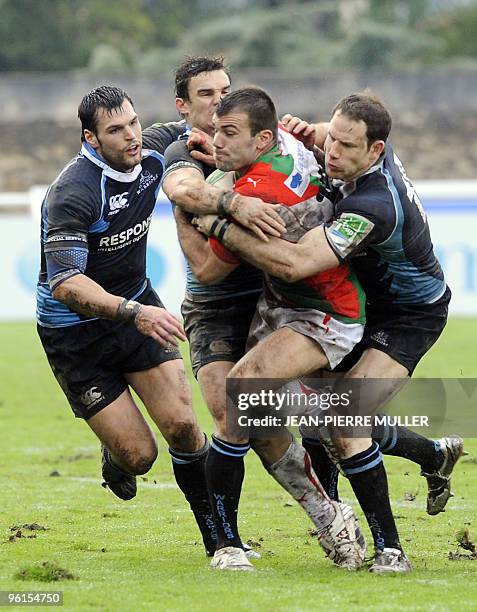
pixel 137 459
pixel 183 436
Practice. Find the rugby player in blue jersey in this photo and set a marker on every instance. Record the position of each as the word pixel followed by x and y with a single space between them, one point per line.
pixel 376 222
pixel 103 328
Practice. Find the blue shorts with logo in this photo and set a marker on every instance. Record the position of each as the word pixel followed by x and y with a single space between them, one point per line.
pixel 89 360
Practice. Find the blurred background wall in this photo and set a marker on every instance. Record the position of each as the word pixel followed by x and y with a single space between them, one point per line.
pixel 420 56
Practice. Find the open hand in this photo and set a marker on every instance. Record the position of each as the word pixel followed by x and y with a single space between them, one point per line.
pixel 159 324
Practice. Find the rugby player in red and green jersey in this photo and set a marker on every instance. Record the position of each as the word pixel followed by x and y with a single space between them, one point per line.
pixel 378 224
pixel 306 326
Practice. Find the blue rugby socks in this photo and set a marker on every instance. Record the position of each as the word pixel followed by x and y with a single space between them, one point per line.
pixel 368 479
pixel 402 442
pixel 189 470
pixel 225 472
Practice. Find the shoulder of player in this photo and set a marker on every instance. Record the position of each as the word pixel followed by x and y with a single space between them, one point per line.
pixel 80 175
pixel 177 156
pixel 159 135
pixel 79 182
pixel 372 194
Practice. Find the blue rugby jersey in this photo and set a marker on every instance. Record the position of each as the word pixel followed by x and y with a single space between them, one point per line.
pixel 379 225
pixel 99 219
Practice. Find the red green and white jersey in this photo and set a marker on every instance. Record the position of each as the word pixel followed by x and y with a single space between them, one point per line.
pixel 289 174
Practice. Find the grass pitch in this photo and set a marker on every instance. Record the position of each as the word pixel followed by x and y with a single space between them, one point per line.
pixel 59 530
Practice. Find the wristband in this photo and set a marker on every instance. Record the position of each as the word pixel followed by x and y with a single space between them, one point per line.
pixel 128 310
pixel 224 201
pixel 219 227
pixel 214 225
pixel 222 229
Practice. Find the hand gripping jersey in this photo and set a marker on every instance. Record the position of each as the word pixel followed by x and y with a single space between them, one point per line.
pixel 288 174
pixel 95 222
pixel 380 226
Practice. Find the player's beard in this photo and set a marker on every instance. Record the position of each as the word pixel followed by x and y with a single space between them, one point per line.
pixel 119 160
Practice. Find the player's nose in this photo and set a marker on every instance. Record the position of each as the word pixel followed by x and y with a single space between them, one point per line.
pixel 333 151
pixel 217 98
pixel 129 133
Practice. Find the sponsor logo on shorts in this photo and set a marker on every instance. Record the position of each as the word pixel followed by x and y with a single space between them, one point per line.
pixel 220 346
pixel 381 338
pixel 91 397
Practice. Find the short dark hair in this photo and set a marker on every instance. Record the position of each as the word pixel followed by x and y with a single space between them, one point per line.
pixel 191 67
pixel 257 105
pixel 105 96
pixel 366 106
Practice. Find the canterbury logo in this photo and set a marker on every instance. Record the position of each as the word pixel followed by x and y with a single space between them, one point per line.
pixel 117 202
pixel 92 396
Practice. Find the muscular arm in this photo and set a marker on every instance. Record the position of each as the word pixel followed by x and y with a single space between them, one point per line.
pixel 207 267
pixel 186 188
pixel 83 295
pixel 286 260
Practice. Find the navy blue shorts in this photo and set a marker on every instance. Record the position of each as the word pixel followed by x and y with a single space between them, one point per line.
pixel 89 360
pixel 217 329
pixel 405 332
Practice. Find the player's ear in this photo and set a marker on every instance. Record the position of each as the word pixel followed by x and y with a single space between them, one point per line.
pixel 90 138
pixel 377 148
pixel 264 139
pixel 182 106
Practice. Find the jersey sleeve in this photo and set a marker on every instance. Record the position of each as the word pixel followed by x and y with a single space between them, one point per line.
pixel 178 156
pixel 160 135
pixel 71 210
pixel 359 225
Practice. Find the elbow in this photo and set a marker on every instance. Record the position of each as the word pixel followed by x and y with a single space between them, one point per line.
pixel 206 276
pixel 59 293
pixel 290 272
pixel 289 275
pixel 175 194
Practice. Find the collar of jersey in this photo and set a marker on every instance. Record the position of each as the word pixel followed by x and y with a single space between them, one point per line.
pixel 122 177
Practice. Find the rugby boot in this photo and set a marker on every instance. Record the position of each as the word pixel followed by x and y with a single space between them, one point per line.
pixel 342 540
pixel 390 561
pixel 249 552
pixel 232 559
pixel 122 484
pixel 439 482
